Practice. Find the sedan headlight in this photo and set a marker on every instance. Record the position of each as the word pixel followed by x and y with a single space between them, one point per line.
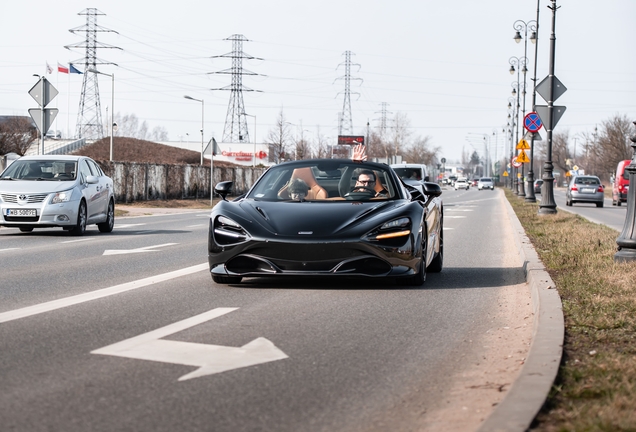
pixel 228 232
pixel 61 197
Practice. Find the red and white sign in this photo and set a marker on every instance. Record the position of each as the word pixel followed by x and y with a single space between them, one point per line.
pixel 516 163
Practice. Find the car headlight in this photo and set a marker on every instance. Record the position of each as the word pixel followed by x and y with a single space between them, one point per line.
pixel 390 230
pixel 227 231
pixel 61 197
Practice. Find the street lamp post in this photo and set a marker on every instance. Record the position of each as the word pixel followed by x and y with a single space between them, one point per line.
pixel 202 122
pixel 513 109
pixel 112 108
pixel 517 88
pixel 627 240
pixel 548 205
pixel 254 153
pixel 533 26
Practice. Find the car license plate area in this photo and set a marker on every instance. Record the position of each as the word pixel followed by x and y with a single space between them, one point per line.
pixel 588 190
pixel 21 212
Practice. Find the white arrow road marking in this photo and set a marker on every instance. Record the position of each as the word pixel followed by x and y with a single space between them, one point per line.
pixel 128 225
pixel 210 359
pixel 93 295
pixel 78 240
pixel 138 250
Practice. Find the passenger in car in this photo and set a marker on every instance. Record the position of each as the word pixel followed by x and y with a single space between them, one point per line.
pixel 298 189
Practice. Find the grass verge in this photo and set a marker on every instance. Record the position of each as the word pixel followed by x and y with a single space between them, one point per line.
pixel 595 389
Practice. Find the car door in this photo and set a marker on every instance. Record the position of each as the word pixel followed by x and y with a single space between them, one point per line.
pixel 90 191
pixel 103 188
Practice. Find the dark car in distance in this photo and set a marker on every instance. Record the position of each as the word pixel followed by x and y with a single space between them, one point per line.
pixel 537 186
pixel 342 226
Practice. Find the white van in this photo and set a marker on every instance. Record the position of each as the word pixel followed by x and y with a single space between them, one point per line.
pixel 407 171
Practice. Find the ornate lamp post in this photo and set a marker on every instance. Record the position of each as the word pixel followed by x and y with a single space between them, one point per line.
pixel 519 87
pixel 533 27
pixel 627 240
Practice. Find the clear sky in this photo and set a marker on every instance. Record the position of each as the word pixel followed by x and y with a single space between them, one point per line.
pixel 444 64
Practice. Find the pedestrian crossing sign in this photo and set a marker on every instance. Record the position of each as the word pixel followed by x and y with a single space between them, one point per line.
pixel 523 145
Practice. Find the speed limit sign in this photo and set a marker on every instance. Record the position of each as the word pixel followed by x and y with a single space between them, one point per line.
pixel 515 162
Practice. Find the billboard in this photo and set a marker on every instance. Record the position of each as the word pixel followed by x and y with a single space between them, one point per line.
pixel 350 139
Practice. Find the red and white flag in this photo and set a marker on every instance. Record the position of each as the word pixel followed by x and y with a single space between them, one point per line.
pixel 49 69
pixel 61 68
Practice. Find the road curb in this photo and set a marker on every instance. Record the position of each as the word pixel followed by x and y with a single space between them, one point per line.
pixel 529 392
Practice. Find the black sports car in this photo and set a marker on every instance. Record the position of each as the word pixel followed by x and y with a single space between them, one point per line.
pixel 328 217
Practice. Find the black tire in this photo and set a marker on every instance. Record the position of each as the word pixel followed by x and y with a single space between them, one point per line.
pixel 568 202
pixel 227 279
pixel 618 203
pixel 599 204
pixel 80 227
pixel 26 229
pixel 107 226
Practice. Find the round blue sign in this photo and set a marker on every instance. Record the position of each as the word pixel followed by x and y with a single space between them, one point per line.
pixel 532 122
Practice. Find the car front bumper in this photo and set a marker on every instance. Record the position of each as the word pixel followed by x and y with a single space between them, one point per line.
pixel 47 215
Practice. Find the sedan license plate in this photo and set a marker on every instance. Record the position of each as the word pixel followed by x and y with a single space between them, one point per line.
pixel 21 212
pixel 588 190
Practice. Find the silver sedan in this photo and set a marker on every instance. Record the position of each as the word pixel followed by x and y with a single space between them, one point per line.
pixel 70 192
pixel 585 189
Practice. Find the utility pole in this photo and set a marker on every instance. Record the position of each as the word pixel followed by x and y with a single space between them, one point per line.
pixel 89 118
pixel 236 130
pixel 346 124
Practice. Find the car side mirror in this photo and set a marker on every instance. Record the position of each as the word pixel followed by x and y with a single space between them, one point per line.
pixel 91 179
pixel 432 189
pixel 223 189
pixel 426 178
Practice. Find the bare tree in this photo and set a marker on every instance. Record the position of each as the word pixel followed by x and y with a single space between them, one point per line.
pixel 321 146
pixel 612 144
pixel 419 151
pixel 17 133
pixel 560 152
pixel 278 138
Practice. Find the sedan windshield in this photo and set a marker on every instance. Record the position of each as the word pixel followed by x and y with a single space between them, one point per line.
pixel 328 180
pixel 38 170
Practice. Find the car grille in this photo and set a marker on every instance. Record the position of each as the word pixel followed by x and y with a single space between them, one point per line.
pixel 30 199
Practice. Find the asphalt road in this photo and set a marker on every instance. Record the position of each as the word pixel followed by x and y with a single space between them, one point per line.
pixel 612 216
pixel 318 355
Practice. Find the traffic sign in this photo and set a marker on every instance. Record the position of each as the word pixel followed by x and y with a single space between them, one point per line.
pixel 544 88
pixel 516 163
pixel 43 92
pixel 523 145
pixel 557 113
pixel 505 174
pixel 523 157
pixel 529 136
pixel 532 122
pixel 48 117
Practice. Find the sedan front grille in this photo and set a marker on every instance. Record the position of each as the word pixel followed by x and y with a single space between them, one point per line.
pixel 30 199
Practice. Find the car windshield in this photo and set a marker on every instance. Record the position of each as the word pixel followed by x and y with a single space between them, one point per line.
pixel 587 181
pixel 328 180
pixel 485 179
pixel 408 173
pixel 40 170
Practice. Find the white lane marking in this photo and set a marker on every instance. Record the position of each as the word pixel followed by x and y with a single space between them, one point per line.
pixel 128 225
pixel 197 225
pixel 458 210
pixel 210 359
pixel 78 240
pixel 94 295
pixel 454 217
pixel 8 249
pixel 446 229
pixel 138 250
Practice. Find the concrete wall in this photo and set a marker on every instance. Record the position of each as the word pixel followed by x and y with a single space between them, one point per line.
pixel 142 182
